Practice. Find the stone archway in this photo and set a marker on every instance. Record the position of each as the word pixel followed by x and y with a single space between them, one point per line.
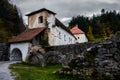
pixel 16 55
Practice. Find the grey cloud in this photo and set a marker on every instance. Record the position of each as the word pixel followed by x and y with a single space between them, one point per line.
pixel 68 8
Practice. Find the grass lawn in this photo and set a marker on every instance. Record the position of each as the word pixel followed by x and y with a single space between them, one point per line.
pixel 25 71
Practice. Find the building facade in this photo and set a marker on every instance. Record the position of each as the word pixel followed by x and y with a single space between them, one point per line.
pixel 43 29
pixel 79 34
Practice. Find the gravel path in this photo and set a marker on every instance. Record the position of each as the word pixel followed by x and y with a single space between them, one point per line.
pixel 4 71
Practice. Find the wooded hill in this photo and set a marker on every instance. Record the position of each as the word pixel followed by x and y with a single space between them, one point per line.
pixel 99 26
pixel 11 24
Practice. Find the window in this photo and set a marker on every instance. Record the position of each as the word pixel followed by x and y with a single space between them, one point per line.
pixel 59 35
pixel 69 39
pixel 64 37
pixel 40 20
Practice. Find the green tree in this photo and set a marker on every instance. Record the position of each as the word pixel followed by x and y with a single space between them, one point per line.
pixel 102 11
pixel 105 30
pixel 103 25
pixel 11 23
pixel 90 33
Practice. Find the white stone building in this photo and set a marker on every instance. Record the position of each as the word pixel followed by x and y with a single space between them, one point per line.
pixel 79 34
pixel 43 29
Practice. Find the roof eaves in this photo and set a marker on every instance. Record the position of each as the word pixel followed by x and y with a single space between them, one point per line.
pixel 37 11
pixel 24 40
pixel 19 41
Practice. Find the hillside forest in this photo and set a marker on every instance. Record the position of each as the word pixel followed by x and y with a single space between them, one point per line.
pixel 98 26
pixel 11 23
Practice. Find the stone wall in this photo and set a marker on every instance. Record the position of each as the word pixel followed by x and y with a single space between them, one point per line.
pixel 64 54
pixel 3 51
pixel 101 61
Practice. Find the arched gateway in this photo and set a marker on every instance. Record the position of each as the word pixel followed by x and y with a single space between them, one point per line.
pixel 16 55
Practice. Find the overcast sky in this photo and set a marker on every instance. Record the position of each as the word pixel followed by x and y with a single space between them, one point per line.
pixel 66 9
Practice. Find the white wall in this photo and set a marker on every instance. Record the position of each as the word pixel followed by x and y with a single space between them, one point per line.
pixel 81 38
pixel 23 47
pixel 59 36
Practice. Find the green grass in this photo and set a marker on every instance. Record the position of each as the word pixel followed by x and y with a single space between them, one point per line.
pixel 97 40
pixel 25 71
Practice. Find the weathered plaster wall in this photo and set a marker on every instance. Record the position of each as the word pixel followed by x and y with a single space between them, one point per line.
pixel 33 19
pixel 56 35
pixel 23 47
pixel 59 36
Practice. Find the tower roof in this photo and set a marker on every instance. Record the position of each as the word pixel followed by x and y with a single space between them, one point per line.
pixel 76 30
pixel 43 9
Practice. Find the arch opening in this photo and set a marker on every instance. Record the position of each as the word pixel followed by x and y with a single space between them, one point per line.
pixel 16 55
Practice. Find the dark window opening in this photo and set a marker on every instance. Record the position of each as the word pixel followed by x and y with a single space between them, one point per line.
pixel 69 39
pixel 41 19
pixel 59 35
pixel 64 37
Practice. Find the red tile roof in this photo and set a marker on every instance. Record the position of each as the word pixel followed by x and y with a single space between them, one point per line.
pixel 27 35
pixel 76 30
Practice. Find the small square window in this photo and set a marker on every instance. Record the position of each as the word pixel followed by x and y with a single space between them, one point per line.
pixel 40 19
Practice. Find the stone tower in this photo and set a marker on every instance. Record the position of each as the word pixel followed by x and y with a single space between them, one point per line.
pixel 41 18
